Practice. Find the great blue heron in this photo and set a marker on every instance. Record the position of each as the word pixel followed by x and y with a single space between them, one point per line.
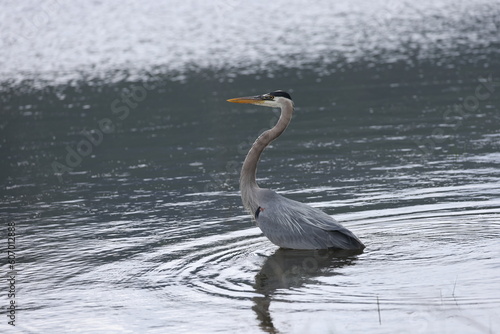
pixel 287 223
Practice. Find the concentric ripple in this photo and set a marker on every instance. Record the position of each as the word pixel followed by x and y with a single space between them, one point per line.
pixel 216 265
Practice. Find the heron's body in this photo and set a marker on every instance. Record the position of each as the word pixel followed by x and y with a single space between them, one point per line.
pixel 291 224
pixel 287 223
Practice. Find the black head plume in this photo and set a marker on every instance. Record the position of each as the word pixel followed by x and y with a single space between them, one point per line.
pixel 281 94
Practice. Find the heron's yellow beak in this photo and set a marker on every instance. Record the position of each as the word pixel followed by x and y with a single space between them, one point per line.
pixel 247 100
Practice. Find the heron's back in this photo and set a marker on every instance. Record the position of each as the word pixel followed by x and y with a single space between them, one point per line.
pixel 291 224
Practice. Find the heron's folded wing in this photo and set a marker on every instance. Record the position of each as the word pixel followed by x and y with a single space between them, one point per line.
pixel 296 225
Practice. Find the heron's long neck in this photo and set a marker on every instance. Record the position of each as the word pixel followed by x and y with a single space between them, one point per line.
pixel 249 169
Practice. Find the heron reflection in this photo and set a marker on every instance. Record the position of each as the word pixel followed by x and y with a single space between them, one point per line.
pixel 286 269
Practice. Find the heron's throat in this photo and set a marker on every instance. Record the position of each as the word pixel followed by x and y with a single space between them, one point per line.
pixel 248 184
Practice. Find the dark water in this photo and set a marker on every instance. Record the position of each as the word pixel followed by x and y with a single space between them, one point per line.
pixel 122 181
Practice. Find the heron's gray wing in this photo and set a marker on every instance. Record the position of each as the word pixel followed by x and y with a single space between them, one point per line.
pixel 291 224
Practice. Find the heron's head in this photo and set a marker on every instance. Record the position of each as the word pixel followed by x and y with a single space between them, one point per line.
pixel 274 99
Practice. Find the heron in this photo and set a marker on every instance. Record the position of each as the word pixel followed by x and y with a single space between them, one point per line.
pixel 285 222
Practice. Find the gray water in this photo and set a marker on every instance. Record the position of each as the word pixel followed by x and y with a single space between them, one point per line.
pixel 120 165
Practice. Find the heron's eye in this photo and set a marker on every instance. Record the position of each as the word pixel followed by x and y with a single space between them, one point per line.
pixel 268 97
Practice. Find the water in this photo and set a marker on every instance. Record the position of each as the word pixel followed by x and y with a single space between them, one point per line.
pixel 140 228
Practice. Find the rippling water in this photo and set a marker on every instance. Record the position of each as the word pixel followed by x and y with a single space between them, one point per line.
pixel 121 162
pixel 51 40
